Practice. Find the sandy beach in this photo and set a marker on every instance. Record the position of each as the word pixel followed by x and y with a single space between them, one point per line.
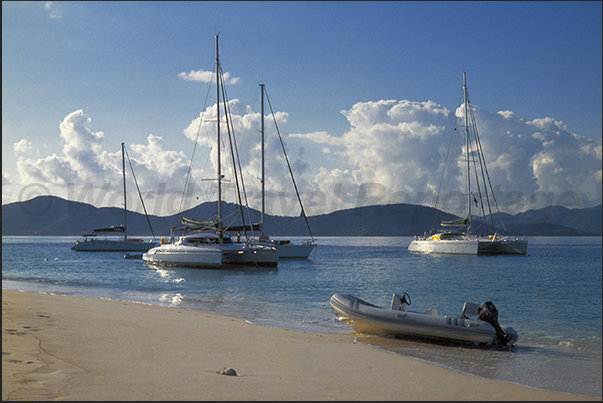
pixel 73 348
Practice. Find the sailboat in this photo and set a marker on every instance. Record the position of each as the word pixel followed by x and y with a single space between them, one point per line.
pixel 208 246
pixel 113 238
pixel 459 236
pixel 287 249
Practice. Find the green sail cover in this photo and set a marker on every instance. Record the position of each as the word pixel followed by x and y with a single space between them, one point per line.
pixel 455 223
pixel 198 224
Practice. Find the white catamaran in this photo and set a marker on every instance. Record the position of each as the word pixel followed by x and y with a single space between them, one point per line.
pixel 208 246
pixel 459 236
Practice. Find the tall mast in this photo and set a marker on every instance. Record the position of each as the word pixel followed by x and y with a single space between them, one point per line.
pixel 263 183
pixel 218 136
pixel 466 101
pixel 123 171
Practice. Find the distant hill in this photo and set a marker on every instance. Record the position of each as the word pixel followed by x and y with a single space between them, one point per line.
pixel 51 215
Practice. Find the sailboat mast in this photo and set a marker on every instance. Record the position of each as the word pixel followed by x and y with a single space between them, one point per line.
pixel 263 184
pixel 218 136
pixel 123 172
pixel 466 102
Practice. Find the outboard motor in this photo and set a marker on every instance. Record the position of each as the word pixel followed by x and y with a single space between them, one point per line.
pixel 399 303
pixel 488 313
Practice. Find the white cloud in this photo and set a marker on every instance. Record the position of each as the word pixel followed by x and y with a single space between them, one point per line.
pixel 7 192
pixel 396 149
pixel 393 152
pixel 207 77
pixel 22 147
pixel 82 160
pixel 199 75
pixel 156 160
pixel 320 137
pixel 246 127
pixel 86 172
pixel 50 171
pixel 569 163
pixel 51 6
pixel 6 179
pixel 83 147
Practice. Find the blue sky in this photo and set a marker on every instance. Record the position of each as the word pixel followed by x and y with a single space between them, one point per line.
pixel 111 72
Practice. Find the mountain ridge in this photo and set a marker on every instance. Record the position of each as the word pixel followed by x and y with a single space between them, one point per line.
pixel 52 215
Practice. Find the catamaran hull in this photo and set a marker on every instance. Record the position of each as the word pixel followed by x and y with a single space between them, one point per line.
pixel 454 247
pixel 295 251
pixel 101 245
pixel 503 247
pixel 369 319
pixel 267 257
pixel 211 256
pixel 187 256
pixel 484 246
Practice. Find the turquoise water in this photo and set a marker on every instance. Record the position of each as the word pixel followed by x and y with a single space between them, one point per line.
pixel 552 297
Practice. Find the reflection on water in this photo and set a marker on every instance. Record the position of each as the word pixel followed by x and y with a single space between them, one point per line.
pixel 167 275
pixel 172 299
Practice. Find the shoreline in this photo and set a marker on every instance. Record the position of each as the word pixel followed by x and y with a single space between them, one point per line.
pixel 59 347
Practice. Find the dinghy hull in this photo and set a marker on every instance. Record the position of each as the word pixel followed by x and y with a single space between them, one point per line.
pixel 366 318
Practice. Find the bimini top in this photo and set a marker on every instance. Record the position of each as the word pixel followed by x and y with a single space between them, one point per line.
pixel 205 237
pixel 112 228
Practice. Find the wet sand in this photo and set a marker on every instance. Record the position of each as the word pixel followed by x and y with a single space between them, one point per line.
pixel 58 347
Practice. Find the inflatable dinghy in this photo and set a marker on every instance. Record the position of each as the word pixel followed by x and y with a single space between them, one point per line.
pixel 367 318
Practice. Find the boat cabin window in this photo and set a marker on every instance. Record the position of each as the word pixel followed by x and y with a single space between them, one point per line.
pixel 201 241
pixel 450 235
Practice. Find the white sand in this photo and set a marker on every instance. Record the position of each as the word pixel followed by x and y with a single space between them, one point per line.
pixel 73 348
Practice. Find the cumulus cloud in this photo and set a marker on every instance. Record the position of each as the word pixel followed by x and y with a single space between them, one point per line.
pixel 396 151
pixel 86 172
pixel 6 187
pixel 320 137
pixel 245 124
pixel 83 147
pixel 207 77
pixel 50 171
pixel 393 152
pixel 22 147
pixel 6 180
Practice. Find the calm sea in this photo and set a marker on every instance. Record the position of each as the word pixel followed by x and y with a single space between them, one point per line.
pixel 552 297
